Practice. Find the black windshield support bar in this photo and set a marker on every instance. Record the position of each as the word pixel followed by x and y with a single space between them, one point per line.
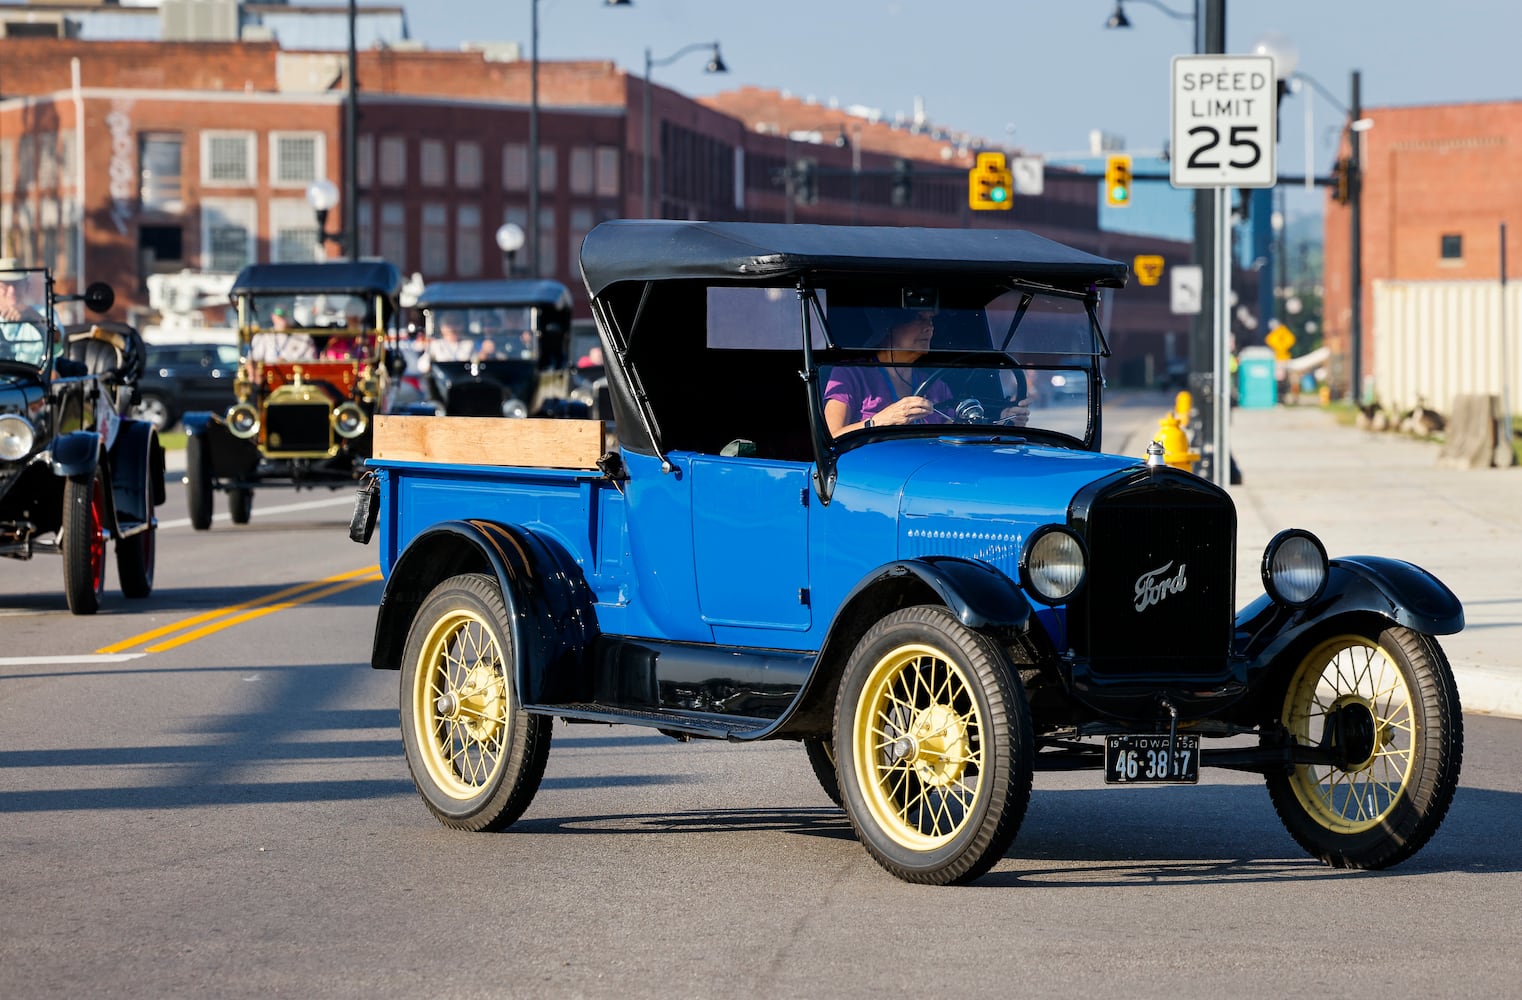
pixel 819 430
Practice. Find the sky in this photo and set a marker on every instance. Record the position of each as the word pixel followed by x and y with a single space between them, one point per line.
pixel 1041 75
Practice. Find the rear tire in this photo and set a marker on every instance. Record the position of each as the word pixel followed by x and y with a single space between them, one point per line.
pixel 475 756
pixel 198 484
pixel 135 558
pixel 240 504
pixel 84 542
pixel 821 754
pixel 1386 698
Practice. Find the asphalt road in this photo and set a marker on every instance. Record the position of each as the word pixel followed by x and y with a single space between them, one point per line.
pixel 230 815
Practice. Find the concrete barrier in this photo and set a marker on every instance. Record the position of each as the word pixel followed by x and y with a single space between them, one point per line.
pixel 1473 441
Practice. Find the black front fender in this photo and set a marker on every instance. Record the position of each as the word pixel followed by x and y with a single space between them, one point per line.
pixel 1399 591
pixel 549 605
pixel 76 453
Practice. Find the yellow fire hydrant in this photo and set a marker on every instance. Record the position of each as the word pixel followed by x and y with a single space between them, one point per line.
pixel 1183 407
pixel 1175 442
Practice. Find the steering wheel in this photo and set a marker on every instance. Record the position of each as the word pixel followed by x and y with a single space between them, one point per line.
pixel 970 410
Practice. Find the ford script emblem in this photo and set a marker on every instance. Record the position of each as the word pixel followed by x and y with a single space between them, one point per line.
pixel 1155 584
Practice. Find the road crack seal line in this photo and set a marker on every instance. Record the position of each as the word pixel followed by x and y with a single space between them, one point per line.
pixel 290 597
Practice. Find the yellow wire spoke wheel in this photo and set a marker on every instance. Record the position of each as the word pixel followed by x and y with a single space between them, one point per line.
pixel 461 702
pixel 475 756
pixel 919 756
pixel 933 747
pixel 1385 706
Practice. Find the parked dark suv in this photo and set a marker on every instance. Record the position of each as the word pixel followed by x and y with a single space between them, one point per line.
pixel 179 378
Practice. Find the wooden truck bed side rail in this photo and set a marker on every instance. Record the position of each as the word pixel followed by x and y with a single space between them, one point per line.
pixel 542 443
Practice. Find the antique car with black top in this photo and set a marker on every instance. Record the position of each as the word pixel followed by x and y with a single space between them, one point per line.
pixel 78 475
pixel 495 348
pixel 835 513
pixel 316 363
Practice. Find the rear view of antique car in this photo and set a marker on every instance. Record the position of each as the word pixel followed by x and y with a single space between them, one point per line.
pixel 495 348
pixel 316 364
pixel 78 476
pixel 838 512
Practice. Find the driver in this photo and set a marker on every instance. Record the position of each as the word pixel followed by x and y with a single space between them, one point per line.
pixel 22 327
pixel 861 396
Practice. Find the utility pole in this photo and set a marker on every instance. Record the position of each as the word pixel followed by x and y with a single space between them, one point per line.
pixel 1355 243
pixel 1210 40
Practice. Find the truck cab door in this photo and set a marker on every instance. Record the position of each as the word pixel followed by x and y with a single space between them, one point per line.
pixel 750 528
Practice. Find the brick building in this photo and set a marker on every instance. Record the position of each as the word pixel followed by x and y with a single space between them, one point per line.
pixel 124 158
pixel 1438 181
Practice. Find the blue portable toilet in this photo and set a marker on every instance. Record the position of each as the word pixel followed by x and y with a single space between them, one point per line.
pixel 1257 388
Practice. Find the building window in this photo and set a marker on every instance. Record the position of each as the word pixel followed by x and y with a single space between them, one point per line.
pixel 364 217
pixel 296 158
pixel 581 222
pixel 227 233
pixel 467 241
pixel 607 171
pixel 467 164
pixel 547 239
pixel 159 160
pixel 364 156
pixel 547 161
pixel 432 170
pixel 293 231
pixel 581 170
pixel 47 160
pixel 393 161
pixel 7 166
pixel 435 237
pixel 1452 246
pixel 393 233
pixel 515 166
pixel 227 158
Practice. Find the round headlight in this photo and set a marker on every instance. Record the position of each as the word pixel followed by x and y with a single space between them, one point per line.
pixel 16 437
pixel 349 420
pixel 243 420
pixel 1053 564
pixel 514 408
pixel 1294 567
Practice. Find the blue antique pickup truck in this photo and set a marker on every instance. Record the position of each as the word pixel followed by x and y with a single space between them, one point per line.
pixel 843 507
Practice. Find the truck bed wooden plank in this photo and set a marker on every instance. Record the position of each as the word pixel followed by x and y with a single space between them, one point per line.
pixel 542 443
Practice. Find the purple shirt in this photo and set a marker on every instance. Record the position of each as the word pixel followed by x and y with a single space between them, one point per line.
pixel 868 390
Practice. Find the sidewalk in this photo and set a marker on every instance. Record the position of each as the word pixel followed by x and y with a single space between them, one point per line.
pixel 1366 493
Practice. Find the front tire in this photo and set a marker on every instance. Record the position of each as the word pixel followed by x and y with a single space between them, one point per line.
pixel 933 747
pixel 84 542
pixel 1386 699
pixel 475 756
pixel 198 484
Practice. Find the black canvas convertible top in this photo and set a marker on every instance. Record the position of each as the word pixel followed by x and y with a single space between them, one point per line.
pixel 654 249
pixel 326 276
pixel 505 292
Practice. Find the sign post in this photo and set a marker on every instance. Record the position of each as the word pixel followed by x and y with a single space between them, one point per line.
pixel 1225 116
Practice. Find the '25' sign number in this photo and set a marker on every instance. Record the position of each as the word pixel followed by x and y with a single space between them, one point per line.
pixel 1245 151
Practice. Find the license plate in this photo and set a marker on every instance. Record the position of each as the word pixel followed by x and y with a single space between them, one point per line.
pixel 1134 759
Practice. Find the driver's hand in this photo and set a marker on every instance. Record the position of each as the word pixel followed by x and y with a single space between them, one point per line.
pixel 1016 415
pixel 904 411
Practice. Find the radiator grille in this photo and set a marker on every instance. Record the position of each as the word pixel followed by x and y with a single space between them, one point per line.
pixel 299 427
pixel 1162 569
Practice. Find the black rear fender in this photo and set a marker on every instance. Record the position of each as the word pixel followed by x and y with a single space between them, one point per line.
pixel 549 605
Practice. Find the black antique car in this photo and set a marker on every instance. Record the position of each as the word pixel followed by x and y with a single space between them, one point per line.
pixel 316 346
pixel 495 348
pixel 75 470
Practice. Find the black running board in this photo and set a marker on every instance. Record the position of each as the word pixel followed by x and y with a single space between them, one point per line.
pixel 700 725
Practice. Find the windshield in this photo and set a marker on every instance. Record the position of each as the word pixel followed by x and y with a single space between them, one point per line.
pixel 23 328
pixel 483 333
pixel 322 311
pixel 892 357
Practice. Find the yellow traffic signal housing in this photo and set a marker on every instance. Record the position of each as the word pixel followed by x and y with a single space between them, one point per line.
pixel 990 184
pixel 1118 179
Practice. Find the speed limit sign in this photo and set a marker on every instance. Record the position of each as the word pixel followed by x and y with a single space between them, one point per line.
pixel 1225 113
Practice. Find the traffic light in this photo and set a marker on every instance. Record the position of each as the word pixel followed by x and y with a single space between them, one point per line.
pixel 1118 180
pixel 1342 181
pixel 903 183
pixel 990 184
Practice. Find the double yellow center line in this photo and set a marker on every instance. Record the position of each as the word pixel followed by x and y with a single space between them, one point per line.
pixel 215 621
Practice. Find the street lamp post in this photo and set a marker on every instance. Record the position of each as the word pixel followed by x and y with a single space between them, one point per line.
pixel 715 65
pixel 509 241
pixel 351 154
